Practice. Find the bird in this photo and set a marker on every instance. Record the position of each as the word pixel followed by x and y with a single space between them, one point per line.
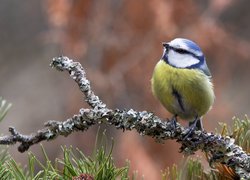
pixel 182 82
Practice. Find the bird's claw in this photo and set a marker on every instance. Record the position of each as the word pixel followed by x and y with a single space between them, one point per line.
pixel 173 121
pixel 192 127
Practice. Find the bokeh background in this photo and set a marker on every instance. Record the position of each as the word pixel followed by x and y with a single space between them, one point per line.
pixel 118 42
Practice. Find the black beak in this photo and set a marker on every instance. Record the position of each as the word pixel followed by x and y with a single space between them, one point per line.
pixel 166 45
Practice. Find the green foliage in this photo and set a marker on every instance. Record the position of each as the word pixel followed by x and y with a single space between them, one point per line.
pixel 74 163
pixel 192 169
pixel 241 133
pixel 4 171
pixel 100 165
pixel 171 173
pixel 4 107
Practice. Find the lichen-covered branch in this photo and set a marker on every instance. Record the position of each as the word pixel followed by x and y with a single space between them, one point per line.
pixel 221 149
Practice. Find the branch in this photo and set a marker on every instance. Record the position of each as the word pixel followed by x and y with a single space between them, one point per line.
pixel 221 149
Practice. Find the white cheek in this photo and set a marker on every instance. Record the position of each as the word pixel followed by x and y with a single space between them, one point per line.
pixel 181 60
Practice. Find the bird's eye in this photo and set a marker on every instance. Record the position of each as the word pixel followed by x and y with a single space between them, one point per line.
pixel 181 51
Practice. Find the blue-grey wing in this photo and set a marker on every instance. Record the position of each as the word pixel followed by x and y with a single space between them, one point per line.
pixel 205 69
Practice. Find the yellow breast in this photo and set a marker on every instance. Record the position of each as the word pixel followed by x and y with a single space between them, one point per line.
pixel 184 92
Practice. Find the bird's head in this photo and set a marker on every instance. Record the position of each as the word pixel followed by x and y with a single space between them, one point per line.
pixel 184 53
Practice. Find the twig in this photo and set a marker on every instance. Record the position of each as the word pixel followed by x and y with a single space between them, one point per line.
pixel 221 149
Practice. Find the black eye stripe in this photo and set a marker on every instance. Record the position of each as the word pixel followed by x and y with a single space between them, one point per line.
pixel 183 51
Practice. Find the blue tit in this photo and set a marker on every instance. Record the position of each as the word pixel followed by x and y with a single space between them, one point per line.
pixel 182 81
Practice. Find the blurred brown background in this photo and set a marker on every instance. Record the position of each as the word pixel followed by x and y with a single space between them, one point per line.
pixel 118 42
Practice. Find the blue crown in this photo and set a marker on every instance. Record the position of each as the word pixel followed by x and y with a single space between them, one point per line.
pixel 192 45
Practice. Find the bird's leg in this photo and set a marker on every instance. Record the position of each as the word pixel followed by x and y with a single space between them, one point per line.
pixel 173 121
pixel 199 124
pixel 196 124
